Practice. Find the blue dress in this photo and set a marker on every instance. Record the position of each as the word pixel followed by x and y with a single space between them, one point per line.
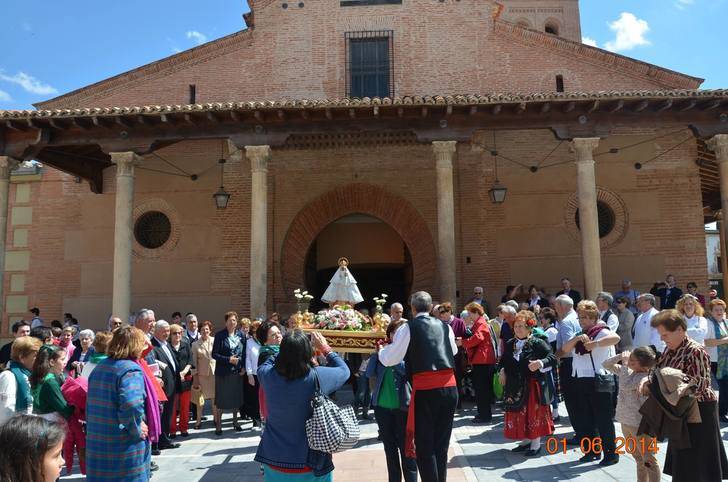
pixel 114 412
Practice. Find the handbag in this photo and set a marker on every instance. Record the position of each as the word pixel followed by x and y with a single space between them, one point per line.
pixel 331 428
pixel 497 387
pixel 602 383
pixel 197 397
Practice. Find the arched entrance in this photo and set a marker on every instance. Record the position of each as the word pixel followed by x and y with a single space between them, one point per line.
pixel 360 199
pixel 379 259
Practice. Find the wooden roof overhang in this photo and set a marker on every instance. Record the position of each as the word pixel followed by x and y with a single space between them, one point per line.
pixel 78 141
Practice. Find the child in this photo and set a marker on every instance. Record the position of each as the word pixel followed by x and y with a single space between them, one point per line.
pixel 31 449
pixel 632 368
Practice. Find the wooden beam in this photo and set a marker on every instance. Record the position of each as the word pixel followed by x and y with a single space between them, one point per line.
pixel 521 108
pixel 99 121
pixel 424 111
pixel 617 107
pixel 448 110
pixel 31 123
pixel 329 115
pixel 688 105
pixel 142 120
pixel 545 107
pixel 212 117
pixel 281 114
pixel 664 106
pixel 375 111
pixel 122 121
pixel 352 113
pixel 57 124
pixel 473 109
pixel 497 109
pixel 190 120
pixel 235 116
pixel 400 112
pixel 642 105
pixel 711 105
pixel 258 116
pixel 16 126
pixel 593 107
pixel 305 114
pixel 570 106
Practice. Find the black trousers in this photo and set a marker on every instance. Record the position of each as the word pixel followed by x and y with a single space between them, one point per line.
pixel 392 425
pixel 251 406
pixel 568 391
pixel 165 416
pixel 483 386
pixel 434 412
pixel 594 412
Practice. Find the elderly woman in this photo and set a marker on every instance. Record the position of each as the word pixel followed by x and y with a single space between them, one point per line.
pixel 288 380
pixel 122 413
pixel 480 349
pixel 228 350
pixel 203 369
pixel 691 309
pixel 15 393
pixel 526 396
pixel 626 321
pixel 716 344
pixel 594 408
pixel 705 459
pixel 81 354
pixel 183 356
pixel 444 312
pixel 101 344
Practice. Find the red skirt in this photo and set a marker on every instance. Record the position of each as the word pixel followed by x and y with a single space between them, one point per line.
pixel 533 420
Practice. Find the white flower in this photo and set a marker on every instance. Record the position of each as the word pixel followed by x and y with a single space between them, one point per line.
pixel 384 296
pixel 297 291
pixel 305 293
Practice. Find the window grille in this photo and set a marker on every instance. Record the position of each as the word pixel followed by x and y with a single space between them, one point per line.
pixel 370 64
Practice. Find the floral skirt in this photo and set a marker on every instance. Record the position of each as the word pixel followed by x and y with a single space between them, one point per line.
pixel 532 420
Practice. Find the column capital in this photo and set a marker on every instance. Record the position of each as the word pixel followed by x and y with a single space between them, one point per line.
pixel 719 144
pixel 7 164
pixel 125 162
pixel 444 152
pixel 584 148
pixel 259 157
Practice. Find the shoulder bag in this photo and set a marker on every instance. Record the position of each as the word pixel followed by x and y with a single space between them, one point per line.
pixel 331 428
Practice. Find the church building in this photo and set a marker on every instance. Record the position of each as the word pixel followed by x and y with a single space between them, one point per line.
pixel 436 144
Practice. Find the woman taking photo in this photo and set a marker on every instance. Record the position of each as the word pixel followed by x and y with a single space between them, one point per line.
pixel 689 306
pixel 203 369
pixel 31 450
pixel 252 351
pixel 46 380
pixel 122 412
pixel 480 350
pixel 15 393
pixel 391 399
pixel 288 381
pixel 183 356
pixel 595 409
pixel 526 396
pixel 705 460
pixel 228 350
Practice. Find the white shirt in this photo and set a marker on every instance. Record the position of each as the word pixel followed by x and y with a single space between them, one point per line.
pixel 252 349
pixel 168 352
pixel 697 328
pixel 8 394
pixel 644 333
pixel 612 321
pixel 582 365
pixel 395 352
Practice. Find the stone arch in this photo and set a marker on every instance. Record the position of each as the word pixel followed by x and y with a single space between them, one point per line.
pixel 365 199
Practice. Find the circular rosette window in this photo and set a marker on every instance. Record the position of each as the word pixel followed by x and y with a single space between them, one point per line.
pixel 612 215
pixel 156 229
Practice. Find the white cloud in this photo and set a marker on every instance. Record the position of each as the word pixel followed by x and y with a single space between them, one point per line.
pixel 589 41
pixel 198 37
pixel 28 83
pixel 4 96
pixel 629 33
pixel 682 4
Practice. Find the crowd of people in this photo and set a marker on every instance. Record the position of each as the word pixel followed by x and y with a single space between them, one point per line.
pixel 117 397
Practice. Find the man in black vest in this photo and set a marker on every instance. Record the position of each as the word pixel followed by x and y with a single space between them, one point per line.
pixel 428 346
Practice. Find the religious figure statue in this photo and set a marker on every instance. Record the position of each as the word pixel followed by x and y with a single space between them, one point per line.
pixel 342 288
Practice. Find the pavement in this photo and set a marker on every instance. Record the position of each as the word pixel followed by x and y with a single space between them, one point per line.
pixel 478 453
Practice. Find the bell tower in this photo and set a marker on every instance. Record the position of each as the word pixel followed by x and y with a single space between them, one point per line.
pixel 556 17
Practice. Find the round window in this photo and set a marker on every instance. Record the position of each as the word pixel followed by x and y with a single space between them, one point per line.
pixel 607 218
pixel 152 229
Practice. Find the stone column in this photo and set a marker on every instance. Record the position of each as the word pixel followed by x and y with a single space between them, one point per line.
pixel 444 153
pixel 7 164
pixel 259 156
pixel 588 217
pixel 123 232
pixel 719 145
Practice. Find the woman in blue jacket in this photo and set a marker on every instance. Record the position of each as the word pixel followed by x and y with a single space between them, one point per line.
pixel 288 382
pixel 391 398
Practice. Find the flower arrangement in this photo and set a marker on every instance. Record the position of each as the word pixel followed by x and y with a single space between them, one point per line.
pixel 341 317
pixel 303 300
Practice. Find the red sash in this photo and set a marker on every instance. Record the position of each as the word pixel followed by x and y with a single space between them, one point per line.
pixel 424 381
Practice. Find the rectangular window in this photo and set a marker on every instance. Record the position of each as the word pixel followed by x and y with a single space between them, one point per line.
pixel 559 83
pixel 370 64
pixel 193 94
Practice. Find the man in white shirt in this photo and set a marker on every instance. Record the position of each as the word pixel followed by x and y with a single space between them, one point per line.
pixel 643 333
pixel 428 346
pixel 191 333
pixel 568 327
pixel 604 303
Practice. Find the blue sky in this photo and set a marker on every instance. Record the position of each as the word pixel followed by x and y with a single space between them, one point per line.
pixel 52 47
